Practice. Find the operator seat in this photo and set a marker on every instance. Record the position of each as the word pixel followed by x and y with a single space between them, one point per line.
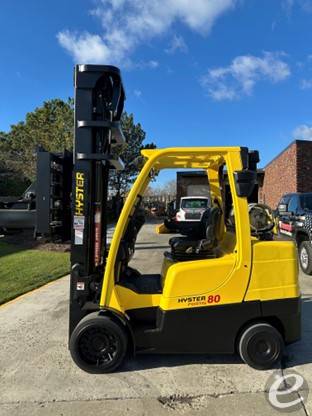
pixel 201 243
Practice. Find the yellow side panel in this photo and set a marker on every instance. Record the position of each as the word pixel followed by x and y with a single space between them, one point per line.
pixel 114 302
pixel 274 271
pixel 131 300
pixel 200 276
pixel 202 283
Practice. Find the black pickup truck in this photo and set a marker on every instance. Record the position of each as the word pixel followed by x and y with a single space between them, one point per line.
pixel 295 221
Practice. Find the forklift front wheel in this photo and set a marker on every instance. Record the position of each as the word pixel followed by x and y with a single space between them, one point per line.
pixel 98 344
pixel 261 346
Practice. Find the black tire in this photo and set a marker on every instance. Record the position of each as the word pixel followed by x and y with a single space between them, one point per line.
pixel 305 257
pixel 261 346
pixel 98 344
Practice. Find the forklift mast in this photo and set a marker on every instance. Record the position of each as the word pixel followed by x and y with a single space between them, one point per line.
pixel 99 101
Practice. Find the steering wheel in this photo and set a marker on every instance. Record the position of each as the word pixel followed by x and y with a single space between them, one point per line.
pixel 261 218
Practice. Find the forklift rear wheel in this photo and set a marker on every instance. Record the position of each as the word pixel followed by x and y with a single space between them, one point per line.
pixel 98 344
pixel 305 257
pixel 261 346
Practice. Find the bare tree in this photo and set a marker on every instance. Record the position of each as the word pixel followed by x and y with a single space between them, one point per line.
pixel 170 187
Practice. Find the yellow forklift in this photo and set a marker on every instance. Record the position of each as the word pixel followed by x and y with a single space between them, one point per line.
pixel 225 288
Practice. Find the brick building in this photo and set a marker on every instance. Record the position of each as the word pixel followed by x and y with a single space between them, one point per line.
pixel 290 171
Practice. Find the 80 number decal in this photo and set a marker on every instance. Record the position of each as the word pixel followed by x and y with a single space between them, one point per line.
pixel 213 299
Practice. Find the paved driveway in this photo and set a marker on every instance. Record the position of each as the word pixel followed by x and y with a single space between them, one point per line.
pixel 37 376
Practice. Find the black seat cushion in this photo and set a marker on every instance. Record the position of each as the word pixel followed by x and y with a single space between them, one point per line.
pixel 177 257
pixel 183 244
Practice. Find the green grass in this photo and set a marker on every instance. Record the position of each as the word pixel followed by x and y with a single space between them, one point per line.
pixel 24 270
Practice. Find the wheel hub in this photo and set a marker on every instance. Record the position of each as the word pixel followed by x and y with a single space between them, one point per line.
pixel 304 258
pixel 263 348
pixel 97 346
pixel 100 343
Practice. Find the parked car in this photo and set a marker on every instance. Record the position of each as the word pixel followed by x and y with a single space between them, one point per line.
pixel 295 221
pixel 189 214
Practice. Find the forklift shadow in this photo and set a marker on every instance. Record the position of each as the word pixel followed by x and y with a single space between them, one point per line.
pixel 300 352
pixel 150 361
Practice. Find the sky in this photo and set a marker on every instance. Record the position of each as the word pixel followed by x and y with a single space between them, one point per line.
pixel 196 72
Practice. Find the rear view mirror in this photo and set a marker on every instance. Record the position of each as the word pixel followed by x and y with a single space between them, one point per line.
pixel 245 181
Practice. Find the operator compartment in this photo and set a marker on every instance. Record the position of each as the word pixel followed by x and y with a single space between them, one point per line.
pixel 198 261
pixel 197 276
